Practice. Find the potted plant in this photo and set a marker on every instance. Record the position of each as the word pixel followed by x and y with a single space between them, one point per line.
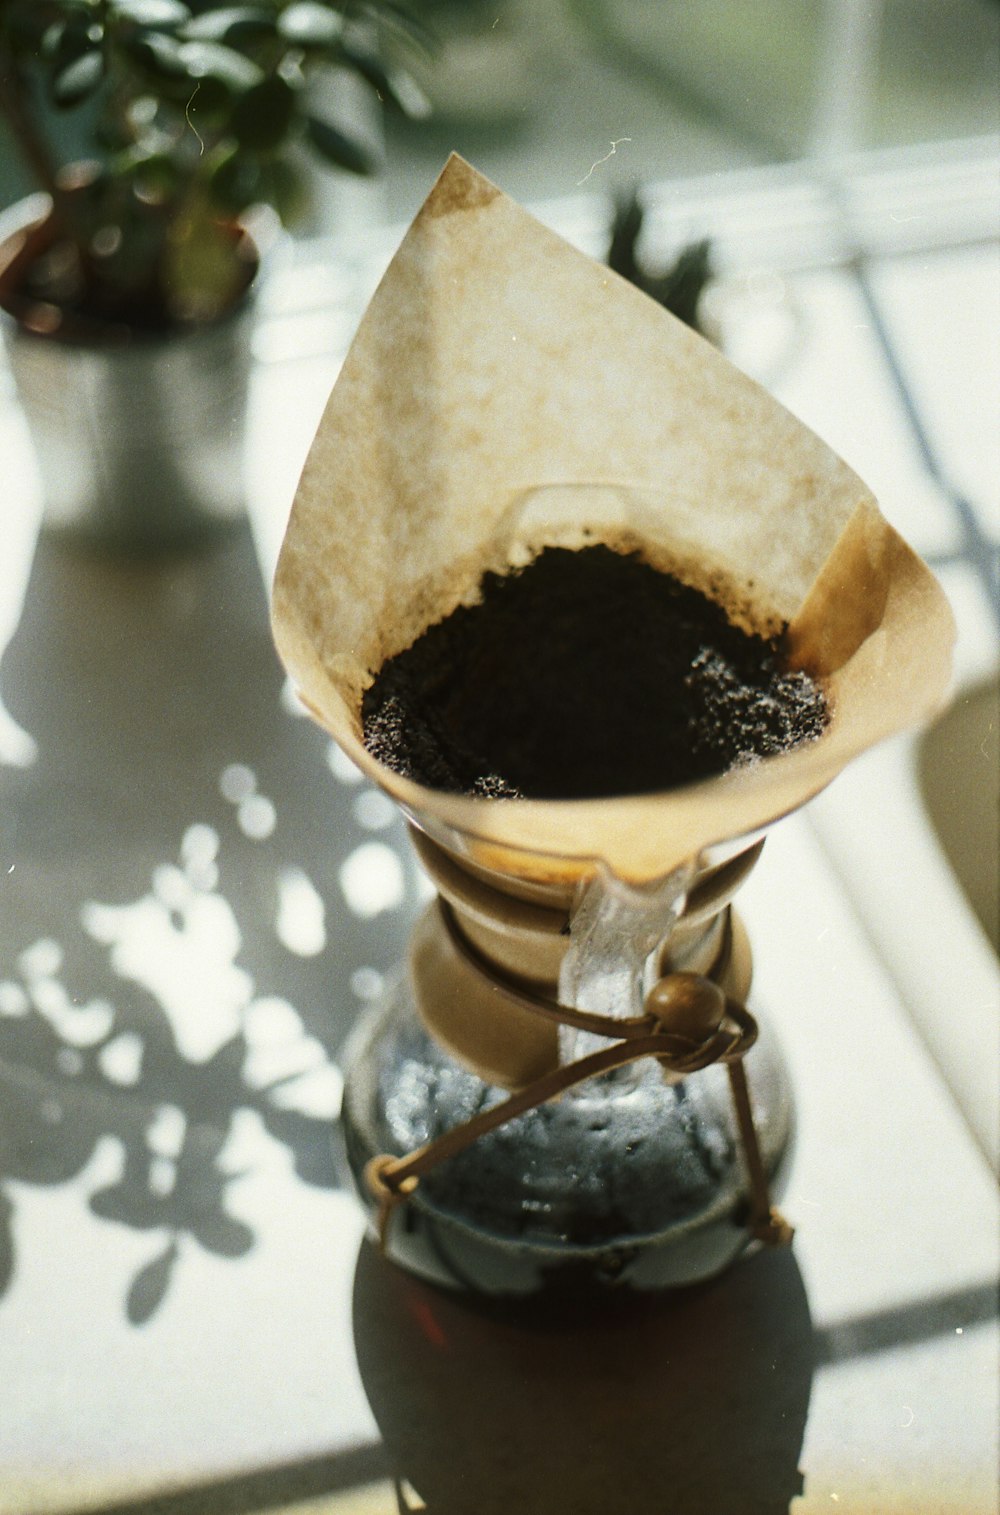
pixel 679 287
pixel 126 283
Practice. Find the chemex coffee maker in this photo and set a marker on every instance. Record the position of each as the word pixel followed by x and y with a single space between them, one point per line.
pixel 564 1086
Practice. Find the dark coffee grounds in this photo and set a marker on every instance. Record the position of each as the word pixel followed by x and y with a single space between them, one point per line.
pixel 584 675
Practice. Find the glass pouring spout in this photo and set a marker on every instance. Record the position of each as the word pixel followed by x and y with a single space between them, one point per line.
pixel 614 928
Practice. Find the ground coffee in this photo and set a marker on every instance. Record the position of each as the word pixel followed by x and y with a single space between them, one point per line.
pixel 584 675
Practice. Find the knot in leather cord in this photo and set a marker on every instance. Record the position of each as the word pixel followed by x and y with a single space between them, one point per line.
pixel 686 1005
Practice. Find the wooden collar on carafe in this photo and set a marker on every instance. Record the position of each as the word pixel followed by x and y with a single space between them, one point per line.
pixel 524 929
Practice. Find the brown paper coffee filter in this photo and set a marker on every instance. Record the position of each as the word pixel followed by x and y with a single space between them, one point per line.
pixel 505 392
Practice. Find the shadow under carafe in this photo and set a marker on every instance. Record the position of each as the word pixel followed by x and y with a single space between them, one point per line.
pixel 692 1402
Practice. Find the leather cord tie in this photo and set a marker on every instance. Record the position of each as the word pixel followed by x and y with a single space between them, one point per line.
pixel 688 1023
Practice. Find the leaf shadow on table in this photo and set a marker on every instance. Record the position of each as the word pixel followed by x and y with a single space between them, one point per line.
pixel 694 1401
pixel 156 985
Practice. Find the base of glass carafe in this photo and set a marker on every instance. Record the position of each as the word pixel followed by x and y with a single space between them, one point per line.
pixel 629 1182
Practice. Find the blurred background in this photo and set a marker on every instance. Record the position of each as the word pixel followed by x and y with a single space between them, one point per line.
pixel 535 92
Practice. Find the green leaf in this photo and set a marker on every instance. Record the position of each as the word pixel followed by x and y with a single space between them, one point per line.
pixel 204 60
pixel 152 13
pixel 337 149
pixel 23 27
pixel 399 18
pixel 233 23
pixel 235 183
pixel 160 57
pixel 286 187
pixel 52 38
pixel 65 41
pixel 393 85
pixel 155 177
pixel 209 103
pixel 78 80
pixel 309 24
pixel 262 117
